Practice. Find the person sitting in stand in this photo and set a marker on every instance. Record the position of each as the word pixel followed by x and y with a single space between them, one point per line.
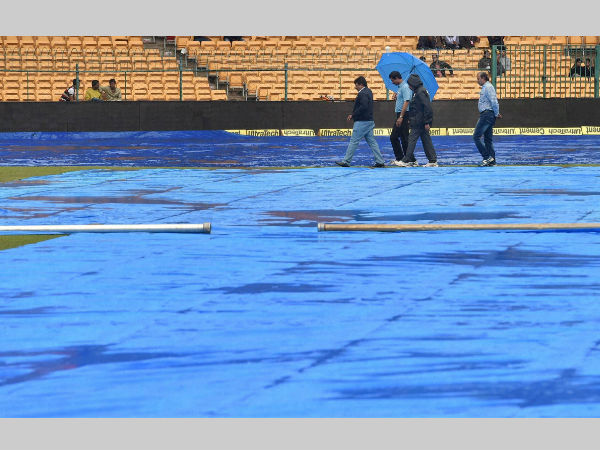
pixel 430 42
pixel 485 63
pixel 500 70
pixel 438 67
pixel 505 60
pixel 451 42
pixel 111 93
pixel 577 70
pixel 93 94
pixel 467 42
pixel 69 94
pixel 496 40
pixel 589 70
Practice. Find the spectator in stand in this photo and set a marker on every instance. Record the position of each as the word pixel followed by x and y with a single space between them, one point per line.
pixel 451 42
pixel 201 38
pixel 499 67
pixel 485 63
pixel 430 42
pixel 422 58
pixel 233 38
pixel 577 70
pixel 467 42
pixel 111 93
pixel 589 70
pixel 496 40
pixel 505 60
pixel 69 94
pixel 93 94
pixel 438 67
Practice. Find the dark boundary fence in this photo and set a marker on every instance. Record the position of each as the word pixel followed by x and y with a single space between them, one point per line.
pixel 158 116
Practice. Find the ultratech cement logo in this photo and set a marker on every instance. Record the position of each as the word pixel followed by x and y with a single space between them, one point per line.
pixel 460 131
pixel 437 132
pixel 532 131
pixel 298 132
pixel 382 131
pixel 262 132
pixel 506 131
pixel 591 130
pixel 335 132
pixel 236 131
pixel 563 131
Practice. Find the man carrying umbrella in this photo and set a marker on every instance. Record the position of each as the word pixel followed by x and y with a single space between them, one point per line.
pixel 421 118
pixel 363 124
pixel 400 129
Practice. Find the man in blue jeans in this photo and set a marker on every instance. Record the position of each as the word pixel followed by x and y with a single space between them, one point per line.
pixel 489 110
pixel 363 125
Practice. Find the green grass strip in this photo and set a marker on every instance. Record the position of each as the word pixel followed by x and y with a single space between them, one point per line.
pixel 14 240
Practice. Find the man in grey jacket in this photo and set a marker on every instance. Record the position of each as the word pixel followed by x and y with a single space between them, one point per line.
pixel 421 118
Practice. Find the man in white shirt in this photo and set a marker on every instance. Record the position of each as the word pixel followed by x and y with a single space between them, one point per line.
pixel 489 110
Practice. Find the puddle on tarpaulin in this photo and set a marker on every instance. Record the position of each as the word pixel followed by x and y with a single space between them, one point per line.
pixel 308 218
pixel 564 388
pixel 546 192
pixel 126 199
pixel 67 359
pixel 25 183
pixel 511 257
pixel 36 212
pixel 62 148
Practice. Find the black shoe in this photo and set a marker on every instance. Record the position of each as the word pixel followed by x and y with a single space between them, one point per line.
pixel 376 165
pixel 342 163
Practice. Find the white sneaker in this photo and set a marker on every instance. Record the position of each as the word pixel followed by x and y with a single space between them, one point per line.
pixel 393 162
pixel 488 162
pixel 414 164
pixel 403 164
pixel 431 164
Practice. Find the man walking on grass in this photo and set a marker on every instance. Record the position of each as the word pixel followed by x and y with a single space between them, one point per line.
pixel 363 125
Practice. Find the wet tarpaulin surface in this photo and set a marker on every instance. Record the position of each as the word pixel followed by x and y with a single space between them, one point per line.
pixel 266 317
pixel 222 149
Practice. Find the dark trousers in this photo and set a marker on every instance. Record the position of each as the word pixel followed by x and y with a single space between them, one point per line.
pixel 399 138
pixel 413 137
pixel 485 128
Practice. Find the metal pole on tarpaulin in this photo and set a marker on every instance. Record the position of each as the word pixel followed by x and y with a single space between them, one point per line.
pixel 113 228
pixel 455 226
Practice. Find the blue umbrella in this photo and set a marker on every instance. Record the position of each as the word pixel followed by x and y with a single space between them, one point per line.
pixel 406 64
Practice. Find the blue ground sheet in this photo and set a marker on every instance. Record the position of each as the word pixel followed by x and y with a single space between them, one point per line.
pixel 222 149
pixel 267 317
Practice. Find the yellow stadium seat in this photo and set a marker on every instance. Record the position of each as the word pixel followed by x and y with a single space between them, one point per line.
pixel 218 95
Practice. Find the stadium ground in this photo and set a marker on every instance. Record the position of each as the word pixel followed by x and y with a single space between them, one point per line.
pixel 266 317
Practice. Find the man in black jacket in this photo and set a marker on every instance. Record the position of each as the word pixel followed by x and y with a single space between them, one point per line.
pixel 420 119
pixel 363 124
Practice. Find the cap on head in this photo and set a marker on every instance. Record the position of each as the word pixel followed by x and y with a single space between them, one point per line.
pixel 414 81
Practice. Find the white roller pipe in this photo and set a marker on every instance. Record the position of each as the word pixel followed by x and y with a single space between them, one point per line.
pixel 149 228
pixel 454 226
